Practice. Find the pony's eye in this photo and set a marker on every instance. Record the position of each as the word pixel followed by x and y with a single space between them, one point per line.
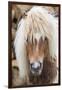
pixel 27 40
pixel 46 38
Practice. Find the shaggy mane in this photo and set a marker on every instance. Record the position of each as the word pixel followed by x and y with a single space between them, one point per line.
pixel 38 22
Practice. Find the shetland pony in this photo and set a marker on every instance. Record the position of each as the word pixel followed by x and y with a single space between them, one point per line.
pixel 36 46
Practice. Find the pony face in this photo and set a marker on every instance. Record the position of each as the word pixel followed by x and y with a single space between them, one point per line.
pixel 36 52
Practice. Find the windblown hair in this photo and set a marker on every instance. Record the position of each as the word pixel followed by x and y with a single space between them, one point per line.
pixel 37 22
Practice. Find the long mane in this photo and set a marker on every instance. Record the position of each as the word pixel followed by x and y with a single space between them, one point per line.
pixel 38 22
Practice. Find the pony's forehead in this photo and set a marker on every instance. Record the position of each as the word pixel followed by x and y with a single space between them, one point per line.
pixel 37 36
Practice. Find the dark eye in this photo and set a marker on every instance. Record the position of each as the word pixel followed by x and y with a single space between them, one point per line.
pixel 27 40
pixel 46 38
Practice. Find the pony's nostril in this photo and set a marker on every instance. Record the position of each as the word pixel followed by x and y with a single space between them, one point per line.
pixel 35 66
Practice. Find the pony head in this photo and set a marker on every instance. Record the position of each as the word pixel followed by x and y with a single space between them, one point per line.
pixel 37 51
pixel 36 41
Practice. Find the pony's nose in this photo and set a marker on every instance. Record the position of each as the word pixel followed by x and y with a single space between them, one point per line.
pixel 35 66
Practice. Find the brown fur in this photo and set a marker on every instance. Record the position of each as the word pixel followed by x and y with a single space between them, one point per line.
pixel 43 49
pixel 48 74
pixel 49 71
